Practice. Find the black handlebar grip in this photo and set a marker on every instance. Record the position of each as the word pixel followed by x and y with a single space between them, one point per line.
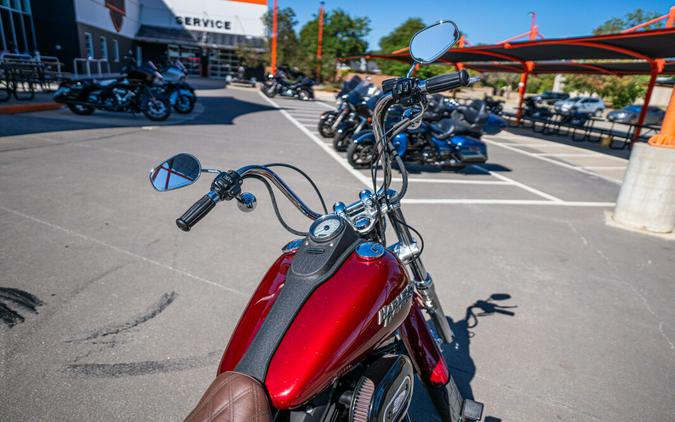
pixel 388 84
pixel 446 82
pixel 195 213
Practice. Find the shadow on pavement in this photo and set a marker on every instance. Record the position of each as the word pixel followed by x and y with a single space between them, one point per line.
pixel 415 168
pixel 458 353
pixel 221 110
pixel 567 140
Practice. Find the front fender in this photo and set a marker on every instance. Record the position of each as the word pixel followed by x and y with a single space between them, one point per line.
pixel 365 138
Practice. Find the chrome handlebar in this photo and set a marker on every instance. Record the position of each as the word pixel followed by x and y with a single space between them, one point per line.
pixel 262 171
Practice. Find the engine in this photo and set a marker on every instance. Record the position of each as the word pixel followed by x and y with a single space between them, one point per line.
pixel 384 391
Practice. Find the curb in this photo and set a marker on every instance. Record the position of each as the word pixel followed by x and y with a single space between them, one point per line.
pixel 28 108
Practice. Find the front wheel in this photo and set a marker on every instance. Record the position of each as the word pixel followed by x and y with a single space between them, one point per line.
pixel 326 125
pixel 269 91
pixel 155 108
pixel 304 94
pixel 184 104
pixel 81 110
pixel 360 155
pixel 341 141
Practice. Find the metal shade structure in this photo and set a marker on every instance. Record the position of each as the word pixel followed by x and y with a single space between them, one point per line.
pixel 614 68
pixel 630 52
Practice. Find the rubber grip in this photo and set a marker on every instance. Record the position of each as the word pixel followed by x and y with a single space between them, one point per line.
pixel 195 213
pixel 448 81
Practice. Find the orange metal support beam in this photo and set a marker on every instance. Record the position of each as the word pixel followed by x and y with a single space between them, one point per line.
pixel 274 38
pixel 319 44
pixel 657 67
pixel 666 137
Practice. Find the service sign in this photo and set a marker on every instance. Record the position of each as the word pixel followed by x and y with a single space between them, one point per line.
pixel 242 17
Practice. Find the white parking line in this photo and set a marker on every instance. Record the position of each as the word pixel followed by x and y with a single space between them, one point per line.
pixel 549 199
pixel 549 160
pixel 563 154
pixel 450 181
pixel 605 167
pixel 329 150
pixel 505 202
pixel 521 185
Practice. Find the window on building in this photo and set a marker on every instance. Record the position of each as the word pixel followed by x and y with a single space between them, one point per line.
pixel 26 6
pixel 89 44
pixel 116 51
pixel 103 45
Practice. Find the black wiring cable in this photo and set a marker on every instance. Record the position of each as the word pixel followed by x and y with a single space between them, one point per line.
pixel 306 176
pixel 276 207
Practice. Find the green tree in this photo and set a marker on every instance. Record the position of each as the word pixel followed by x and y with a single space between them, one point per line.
pixel 400 38
pixel 343 36
pixel 630 20
pixel 287 39
pixel 251 57
pixel 397 39
pixel 619 91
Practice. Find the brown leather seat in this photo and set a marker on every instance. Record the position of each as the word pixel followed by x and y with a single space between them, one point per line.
pixel 232 397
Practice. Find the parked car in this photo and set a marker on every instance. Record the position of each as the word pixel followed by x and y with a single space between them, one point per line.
pixel 631 113
pixel 550 97
pixel 590 105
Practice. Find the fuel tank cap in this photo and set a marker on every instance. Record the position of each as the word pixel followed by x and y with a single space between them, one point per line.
pixel 369 250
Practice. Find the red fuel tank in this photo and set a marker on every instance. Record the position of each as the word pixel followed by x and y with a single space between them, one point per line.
pixel 255 312
pixel 344 319
pixel 337 326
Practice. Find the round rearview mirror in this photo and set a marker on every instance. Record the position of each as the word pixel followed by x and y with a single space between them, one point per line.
pixel 178 171
pixel 431 42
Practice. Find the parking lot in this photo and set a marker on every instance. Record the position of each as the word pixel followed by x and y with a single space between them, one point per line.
pixel 135 314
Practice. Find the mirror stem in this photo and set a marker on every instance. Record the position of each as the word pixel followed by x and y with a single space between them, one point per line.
pixel 411 70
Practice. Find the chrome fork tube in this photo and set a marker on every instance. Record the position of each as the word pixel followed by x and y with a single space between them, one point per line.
pixel 424 284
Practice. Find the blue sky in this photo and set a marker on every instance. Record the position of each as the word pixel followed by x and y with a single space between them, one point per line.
pixel 485 21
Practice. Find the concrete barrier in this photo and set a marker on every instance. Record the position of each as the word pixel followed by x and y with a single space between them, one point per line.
pixel 647 197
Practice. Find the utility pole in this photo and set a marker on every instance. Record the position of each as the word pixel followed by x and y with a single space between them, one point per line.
pixel 319 44
pixel 274 38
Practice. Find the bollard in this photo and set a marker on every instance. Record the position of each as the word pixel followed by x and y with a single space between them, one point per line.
pixel 647 197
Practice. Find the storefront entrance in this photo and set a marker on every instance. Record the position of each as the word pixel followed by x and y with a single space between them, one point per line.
pixel 191 57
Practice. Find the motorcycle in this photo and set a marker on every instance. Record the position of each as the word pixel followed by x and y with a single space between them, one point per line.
pixel 494 106
pixel 448 135
pixel 278 84
pixel 360 103
pixel 181 95
pixel 335 331
pixel 331 119
pixel 138 91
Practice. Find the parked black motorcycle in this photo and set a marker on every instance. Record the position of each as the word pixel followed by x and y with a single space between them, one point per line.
pixel 357 114
pixel 331 119
pixel 301 88
pixel 137 91
pixel 494 106
pixel 181 95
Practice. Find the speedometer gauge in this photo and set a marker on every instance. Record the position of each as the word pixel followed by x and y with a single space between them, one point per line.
pixel 326 228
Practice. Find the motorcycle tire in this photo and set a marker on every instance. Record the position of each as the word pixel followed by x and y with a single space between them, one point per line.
pixel 360 156
pixel 81 110
pixel 325 126
pixel 269 92
pixel 155 108
pixel 184 104
pixel 341 141
pixel 304 94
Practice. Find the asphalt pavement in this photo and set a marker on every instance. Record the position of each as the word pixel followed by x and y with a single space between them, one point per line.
pixel 129 316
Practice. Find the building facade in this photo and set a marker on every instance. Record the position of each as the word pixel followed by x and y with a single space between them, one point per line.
pixel 203 34
pixel 17 32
